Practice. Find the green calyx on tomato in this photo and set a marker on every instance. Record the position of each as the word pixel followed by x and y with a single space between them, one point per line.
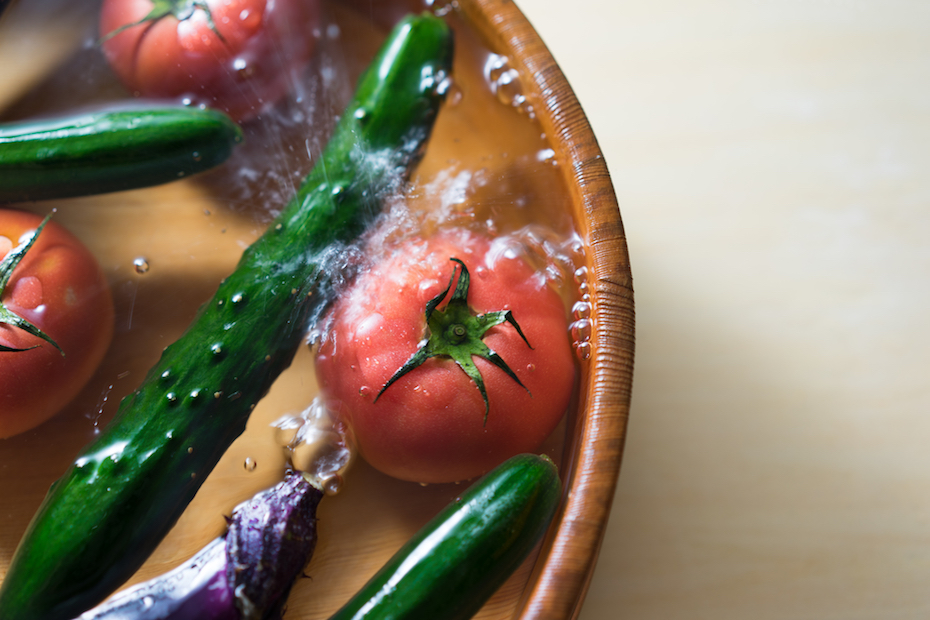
pixel 179 9
pixel 457 332
pixel 7 266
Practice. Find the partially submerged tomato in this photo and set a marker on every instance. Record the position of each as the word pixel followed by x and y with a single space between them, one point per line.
pixel 57 288
pixel 233 55
pixel 431 422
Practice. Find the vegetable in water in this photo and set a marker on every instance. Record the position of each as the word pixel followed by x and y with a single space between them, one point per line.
pixel 456 562
pixel 415 413
pixel 56 319
pixel 126 490
pixel 246 574
pixel 238 56
pixel 110 150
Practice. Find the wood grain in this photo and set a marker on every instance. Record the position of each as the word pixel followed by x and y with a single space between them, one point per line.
pixel 561 579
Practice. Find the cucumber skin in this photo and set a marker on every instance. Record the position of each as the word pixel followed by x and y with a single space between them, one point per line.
pixel 458 560
pixel 110 151
pixel 125 491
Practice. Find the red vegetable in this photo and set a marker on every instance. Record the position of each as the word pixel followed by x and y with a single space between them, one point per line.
pixel 57 288
pixel 430 421
pixel 234 55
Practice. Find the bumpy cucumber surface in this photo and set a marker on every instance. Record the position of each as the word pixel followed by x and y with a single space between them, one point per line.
pixel 107 151
pixel 126 490
pixel 453 565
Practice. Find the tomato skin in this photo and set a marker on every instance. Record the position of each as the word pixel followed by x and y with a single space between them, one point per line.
pixel 59 288
pixel 429 425
pixel 250 67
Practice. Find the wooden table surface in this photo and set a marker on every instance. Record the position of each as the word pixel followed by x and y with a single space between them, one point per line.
pixel 771 162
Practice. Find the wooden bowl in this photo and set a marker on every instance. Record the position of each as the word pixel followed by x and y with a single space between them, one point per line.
pixel 596 435
pixel 183 224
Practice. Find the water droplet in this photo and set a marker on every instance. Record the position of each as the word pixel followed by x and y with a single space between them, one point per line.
pixel 441 8
pixel 197 156
pixel 286 430
pixel 505 83
pixel 190 449
pixel 581 310
pixel 332 485
pixel 581 330
pixel 217 349
pixel 454 93
pixel 244 14
pixel 237 299
pixel 147 601
pixel 583 350
pixel 581 275
pixel 141 265
pixel 243 69
pixel 547 156
pixel 171 397
pixel 364 391
pixel 249 464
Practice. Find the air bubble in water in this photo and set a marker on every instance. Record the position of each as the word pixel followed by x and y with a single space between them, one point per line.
pixel 454 93
pixel 581 330
pixel 332 485
pixel 441 8
pixel 505 83
pixel 141 265
pixel 313 443
pixel 547 156
pixel 581 310
pixel 581 275
pixel 243 68
pixel 249 464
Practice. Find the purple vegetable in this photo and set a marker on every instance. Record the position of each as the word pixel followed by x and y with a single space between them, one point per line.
pixel 246 574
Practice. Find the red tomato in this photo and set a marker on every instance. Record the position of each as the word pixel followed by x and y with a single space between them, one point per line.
pixel 241 61
pixel 59 288
pixel 429 425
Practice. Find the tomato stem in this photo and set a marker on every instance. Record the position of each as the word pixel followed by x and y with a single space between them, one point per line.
pixel 456 332
pixel 179 9
pixel 7 266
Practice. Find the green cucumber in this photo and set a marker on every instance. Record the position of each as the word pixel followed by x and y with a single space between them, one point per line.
pixel 453 565
pixel 107 151
pixel 103 518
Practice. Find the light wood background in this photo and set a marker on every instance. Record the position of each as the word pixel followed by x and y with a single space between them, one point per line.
pixel 772 164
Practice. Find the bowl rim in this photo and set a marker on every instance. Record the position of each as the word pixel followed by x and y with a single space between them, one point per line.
pixel 565 566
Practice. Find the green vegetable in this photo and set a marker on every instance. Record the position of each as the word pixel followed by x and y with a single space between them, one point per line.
pixel 107 151
pixel 7 266
pixel 124 492
pixel 457 332
pixel 453 565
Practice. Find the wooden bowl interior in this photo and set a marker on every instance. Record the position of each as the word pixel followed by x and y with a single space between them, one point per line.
pixel 534 143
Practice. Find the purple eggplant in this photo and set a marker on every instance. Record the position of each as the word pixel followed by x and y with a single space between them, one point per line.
pixel 246 574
